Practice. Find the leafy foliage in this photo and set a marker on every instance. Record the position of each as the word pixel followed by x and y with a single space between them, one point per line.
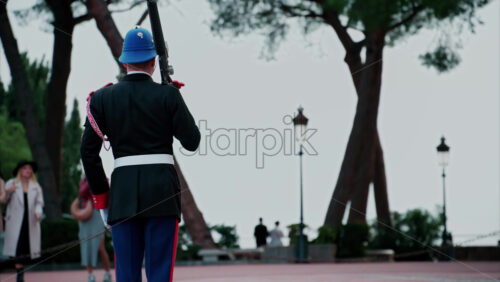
pixel 56 232
pixel 442 58
pixel 327 234
pixel 15 145
pixel 397 19
pixel 41 10
pixel 269 17
pixel 293 231
pixel 415 230
pixel 38 74
pixel 351 239
pixel 228 236
pixel 186 250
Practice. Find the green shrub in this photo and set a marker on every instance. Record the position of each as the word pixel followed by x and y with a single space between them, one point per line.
pixel 63 231
pixel 352 240
pixel 415 230
pixel 327 234
pixel 293 230
pixel 228 236
pixel 57 232
pixel 382 236
pixel 186 250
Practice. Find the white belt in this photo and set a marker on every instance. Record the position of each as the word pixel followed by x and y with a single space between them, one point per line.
pixel 144 160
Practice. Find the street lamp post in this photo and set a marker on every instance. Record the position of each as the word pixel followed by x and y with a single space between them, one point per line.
pixel 300 126
pixel 443 151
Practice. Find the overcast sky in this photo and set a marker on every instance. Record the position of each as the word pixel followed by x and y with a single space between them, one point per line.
pixel 229 87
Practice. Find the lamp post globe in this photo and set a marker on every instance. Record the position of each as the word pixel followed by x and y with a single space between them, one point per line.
pixel 443 151
pixel 300 123
pixel 300 127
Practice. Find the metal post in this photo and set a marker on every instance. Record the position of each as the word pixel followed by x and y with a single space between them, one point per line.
pixel 301 194
pixel 447 245
pixel 445 232
pixel 301 243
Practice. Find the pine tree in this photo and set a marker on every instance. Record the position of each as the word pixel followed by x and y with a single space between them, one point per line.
pixel 72 170
pixel 381 23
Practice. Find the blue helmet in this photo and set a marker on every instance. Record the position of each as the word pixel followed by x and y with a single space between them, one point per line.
pixel 138 46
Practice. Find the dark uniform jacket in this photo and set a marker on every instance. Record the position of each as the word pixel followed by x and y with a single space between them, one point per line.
pixel 139 117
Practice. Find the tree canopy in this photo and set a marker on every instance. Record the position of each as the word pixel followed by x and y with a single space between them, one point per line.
pixel 397 19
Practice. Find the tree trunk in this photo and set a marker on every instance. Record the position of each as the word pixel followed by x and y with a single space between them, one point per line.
pixel 193 218
pixel 29 118
pixel 357 212
pixel 380 187
pixel 99 11
pixel 359 202
pixel 55 112
pixel 357 170
pixel 195 223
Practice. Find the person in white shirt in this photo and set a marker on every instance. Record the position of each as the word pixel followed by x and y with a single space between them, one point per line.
pixel 276 236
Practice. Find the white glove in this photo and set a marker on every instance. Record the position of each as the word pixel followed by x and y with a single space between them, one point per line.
pixel 104 216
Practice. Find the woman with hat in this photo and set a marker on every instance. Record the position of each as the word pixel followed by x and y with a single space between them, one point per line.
pixel 24 200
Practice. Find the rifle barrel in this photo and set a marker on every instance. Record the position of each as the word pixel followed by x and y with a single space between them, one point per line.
pixel 159 41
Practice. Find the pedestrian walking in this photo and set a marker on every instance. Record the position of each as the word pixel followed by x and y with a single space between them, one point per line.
pixel 261 234
pixel 276 234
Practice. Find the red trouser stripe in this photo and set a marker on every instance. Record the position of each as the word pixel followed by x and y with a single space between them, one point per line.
pixel 175 250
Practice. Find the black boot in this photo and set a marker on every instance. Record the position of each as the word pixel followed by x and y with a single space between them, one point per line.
pixel 20 274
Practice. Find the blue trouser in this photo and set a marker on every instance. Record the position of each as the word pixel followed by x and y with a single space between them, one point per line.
pixel 154 238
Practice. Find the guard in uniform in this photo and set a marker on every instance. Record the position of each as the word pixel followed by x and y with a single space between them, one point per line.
pixel 139 118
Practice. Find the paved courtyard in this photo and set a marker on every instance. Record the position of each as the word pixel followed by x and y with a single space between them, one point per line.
pixel 416 271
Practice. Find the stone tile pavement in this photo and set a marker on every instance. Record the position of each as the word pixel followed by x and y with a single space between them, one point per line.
pixel 346 272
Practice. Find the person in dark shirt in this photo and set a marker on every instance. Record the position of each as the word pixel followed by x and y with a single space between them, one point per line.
pixel 261 234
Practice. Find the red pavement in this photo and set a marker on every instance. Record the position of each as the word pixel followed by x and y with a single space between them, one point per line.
pixel 372 272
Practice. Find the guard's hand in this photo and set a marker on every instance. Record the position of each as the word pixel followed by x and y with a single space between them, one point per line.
pixel 177 84
pixel 104 216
